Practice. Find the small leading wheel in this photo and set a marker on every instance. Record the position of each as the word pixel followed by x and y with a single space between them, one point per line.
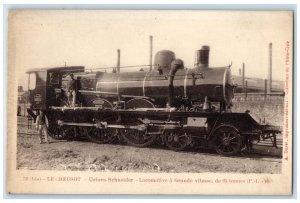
pixel 176 140
pixel 59 132
pixel 137 138
pixel 56 132
pixel 228 142
pixel 101 136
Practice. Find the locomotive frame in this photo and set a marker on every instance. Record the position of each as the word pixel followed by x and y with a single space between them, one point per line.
pixel 143 119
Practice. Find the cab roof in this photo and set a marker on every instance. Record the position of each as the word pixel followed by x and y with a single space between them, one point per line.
pixel 60 69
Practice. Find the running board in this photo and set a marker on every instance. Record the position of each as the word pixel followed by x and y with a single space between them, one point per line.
pixel 105 125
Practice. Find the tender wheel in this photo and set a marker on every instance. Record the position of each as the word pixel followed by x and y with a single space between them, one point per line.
pixel 101 136
pixel 137 138
pixel 176 141
pixel 228 142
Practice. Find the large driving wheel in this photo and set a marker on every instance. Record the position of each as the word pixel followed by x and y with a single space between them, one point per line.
pixel 137 138
pixel 228 142
pixel 139 103
pixel 176 140
pixel 101 136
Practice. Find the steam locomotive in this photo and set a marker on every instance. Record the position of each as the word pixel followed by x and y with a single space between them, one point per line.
pixel 170 104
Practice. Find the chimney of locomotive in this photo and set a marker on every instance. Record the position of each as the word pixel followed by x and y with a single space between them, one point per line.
pixel 202 57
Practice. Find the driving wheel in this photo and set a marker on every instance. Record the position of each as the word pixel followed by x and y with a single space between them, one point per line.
pixel 228 142
pixel 176 140
pixel 137 138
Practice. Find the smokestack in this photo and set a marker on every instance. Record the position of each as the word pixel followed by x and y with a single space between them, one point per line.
pixel 270 69
pixel 118 61
pixel 243 78
pixel 203 57
pixel 151 47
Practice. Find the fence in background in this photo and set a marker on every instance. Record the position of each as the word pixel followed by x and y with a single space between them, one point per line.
pixel 265 95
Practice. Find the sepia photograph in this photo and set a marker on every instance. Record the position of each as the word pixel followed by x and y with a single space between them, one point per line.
pixel 149 102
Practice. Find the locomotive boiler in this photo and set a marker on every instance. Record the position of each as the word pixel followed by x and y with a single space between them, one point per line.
pixel 170 104
pixel 170 83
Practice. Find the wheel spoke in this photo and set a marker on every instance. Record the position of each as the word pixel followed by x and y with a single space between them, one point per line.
pixel 228 135
pixel 57 132
pixel 176 141
pixel 101 136
pixel 137 138
pixel 232 138
pixel 224 134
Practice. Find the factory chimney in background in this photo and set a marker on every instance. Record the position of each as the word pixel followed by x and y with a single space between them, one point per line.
pixel 151 47
pixel 270 69
pixel 118 60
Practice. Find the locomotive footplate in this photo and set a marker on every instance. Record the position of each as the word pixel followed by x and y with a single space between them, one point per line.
pixel 139 127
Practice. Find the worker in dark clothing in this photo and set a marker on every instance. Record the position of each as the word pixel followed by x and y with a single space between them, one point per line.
pixel 72 90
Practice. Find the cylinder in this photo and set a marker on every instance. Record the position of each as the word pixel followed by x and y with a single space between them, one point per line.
pixel 203 57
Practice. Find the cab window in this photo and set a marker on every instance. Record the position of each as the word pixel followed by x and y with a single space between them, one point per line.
pixel 65 80
pixel 41 78
pixel 54 78
pixel 87 84
pixel 32 81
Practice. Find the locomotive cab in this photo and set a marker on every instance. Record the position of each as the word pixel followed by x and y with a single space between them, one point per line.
pixel 45 85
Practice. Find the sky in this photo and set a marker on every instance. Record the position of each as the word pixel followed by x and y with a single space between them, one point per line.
pixel 44 38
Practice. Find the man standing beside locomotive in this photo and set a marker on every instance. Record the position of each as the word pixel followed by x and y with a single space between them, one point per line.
pixel 72 90
pixel 41 126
